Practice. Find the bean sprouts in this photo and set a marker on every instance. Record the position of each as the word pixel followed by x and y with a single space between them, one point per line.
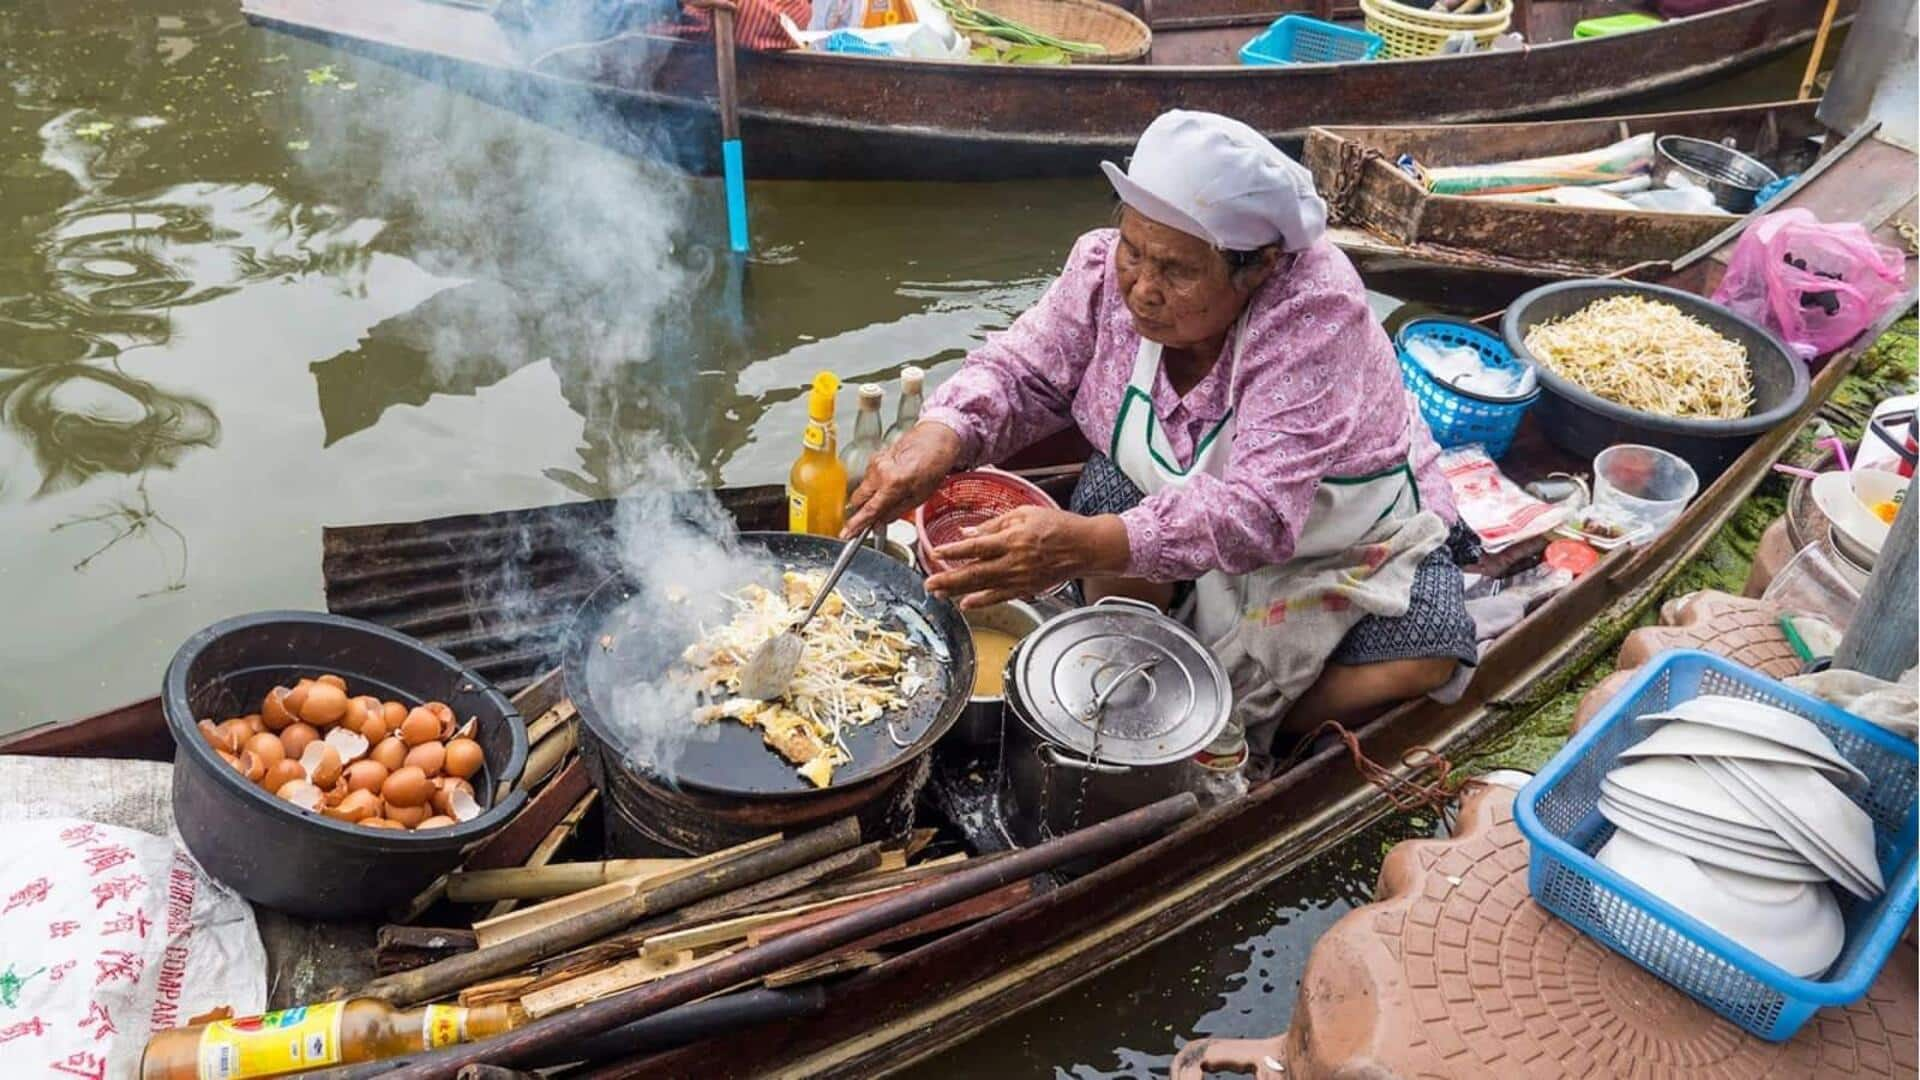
pixel 1648 356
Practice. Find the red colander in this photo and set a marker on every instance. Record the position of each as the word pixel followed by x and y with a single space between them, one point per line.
pixel 964 500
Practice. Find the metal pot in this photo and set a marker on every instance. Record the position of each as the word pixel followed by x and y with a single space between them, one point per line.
pixel 981 720
pixel 1111 703
pixel 1731 177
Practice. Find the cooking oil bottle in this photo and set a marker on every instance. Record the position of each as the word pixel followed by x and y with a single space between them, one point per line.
pixel 316 1036
pixel 866 435
pixel 817 486
pixel 912 386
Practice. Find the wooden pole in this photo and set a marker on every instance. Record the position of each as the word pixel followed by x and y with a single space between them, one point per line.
pixel 732 158
pixel 1819 49
pixel 1880 640
pixel 539 1037
pixel 446 976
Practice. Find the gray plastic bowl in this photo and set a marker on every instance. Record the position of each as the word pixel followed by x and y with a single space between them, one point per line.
pixel 1584 424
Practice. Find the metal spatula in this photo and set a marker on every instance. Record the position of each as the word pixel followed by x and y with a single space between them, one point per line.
pixel 771 666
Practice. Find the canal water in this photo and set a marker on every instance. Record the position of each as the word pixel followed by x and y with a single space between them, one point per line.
pixel 251 287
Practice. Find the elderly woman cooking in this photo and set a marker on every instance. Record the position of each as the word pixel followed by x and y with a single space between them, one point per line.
pixel 1251 437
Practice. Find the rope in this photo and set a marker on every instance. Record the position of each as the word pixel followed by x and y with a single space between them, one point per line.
pixel 1404 792
pixel 1343 201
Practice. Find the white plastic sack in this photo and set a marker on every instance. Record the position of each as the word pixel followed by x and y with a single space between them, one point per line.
pixel 107 933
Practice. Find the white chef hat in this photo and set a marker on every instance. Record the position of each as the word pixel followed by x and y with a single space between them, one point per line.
pixel 1218 179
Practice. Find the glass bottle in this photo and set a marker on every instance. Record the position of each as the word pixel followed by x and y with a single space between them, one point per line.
pixel 866 435
pixel 912 384
pixel 817 485
pixel 316 1036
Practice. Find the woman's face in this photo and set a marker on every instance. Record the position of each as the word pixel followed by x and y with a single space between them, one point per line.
pixel 1178 288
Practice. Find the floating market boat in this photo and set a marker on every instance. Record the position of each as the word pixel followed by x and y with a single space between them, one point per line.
pixel 1417 244
pixel 810 115
pixel 430 579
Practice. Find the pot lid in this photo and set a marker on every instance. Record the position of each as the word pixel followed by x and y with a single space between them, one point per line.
pixel 1166 696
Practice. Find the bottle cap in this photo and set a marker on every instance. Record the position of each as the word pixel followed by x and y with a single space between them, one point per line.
pixel 911 377
pixel 870 394
pixel 820 400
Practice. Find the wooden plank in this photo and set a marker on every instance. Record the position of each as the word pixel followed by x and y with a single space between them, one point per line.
pixel 397 947
pixel 511 845
pixel 622 976
pixel 544 851
pixel 551 880
pixel 837 964
pixel 506 928
pixel 495 991
pixel 819 913
pixel 740 927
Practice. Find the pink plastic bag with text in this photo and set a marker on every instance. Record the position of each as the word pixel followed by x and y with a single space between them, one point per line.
pixel 1815 287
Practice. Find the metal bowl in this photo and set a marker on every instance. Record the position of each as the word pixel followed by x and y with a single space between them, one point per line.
pixel 980 722
pixel 1731 177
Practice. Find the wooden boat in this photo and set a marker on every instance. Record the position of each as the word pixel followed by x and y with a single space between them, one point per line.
pixel 824 116
pixel 1401 236
pixel 945 991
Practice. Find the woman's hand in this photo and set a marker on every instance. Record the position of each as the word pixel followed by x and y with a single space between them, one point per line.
pixel 1027 551
pixel 902 476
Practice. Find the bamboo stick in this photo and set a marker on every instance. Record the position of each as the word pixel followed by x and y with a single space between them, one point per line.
pixel 550 880
pixel 547 755
pixel 446 976
pixel 552 718
pixel 506 928
pixel 1097 841
pixel 543 852
pixel 837 964
pixel 1819 49
pixel 623 976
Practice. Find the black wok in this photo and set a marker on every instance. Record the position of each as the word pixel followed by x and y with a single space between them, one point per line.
pixel 609 647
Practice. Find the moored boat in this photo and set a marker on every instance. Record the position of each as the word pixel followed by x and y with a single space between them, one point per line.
pixel 809 115
pixel 1399 233
pixel 420 577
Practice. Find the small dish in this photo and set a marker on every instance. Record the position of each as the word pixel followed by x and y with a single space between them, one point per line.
pixel 1790 830
pixel 1684 738
pixel 1757 719
pixel 1820 809
pixel 1675 817
pixel 1848 498
pixel 1795 926
pixel 1678 782
pixel 1624 816
pixel 1783 869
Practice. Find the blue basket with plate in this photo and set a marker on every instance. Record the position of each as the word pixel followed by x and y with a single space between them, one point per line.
pixel 1559 815
pixel 1457 416
pixel 1300 39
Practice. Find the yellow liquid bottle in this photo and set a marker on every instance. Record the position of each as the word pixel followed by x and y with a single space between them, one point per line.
pixel 311 1037
pixel 817 486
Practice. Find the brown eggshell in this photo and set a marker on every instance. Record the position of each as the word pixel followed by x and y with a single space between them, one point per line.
pixel 376 728
pixel 464 758
pixel 350 745
pixel 443 790
pixel 230 759
pixel 274 711
pixel 266 746
pixel 334 681
pixel 437 821
pixel 428 757
pixel 380 823
pixel 322 763
pixel 422 725
pixel 390 751
pixel 394 713
pixel 254 723
pixel 236 732
pixel 302 794
pixel 216 736
pixel 296 698
pixel 358 709
pixel 408 816
pixel 325 705
pixel 367 775
pixel 462 804
pixel 295 737
pixel 408 786
pixel 356 806
pixel 252 767
pixel 282 774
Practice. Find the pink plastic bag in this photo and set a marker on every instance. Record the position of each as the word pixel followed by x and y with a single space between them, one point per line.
pixel 1815 287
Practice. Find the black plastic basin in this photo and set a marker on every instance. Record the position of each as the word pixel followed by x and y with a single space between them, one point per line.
pixel 276 854
pixel 1585 424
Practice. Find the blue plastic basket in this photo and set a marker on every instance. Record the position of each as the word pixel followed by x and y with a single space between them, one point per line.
pixel 1459 417
pixel 1300 39
pixel 1558 813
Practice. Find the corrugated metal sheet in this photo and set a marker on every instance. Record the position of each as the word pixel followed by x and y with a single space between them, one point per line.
pixel 495 590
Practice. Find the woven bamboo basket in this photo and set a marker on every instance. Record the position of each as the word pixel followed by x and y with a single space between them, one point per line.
pixel 1412 32
pixel 1126 38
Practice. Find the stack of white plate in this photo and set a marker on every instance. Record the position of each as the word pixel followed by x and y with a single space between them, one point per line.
pixel 1736 813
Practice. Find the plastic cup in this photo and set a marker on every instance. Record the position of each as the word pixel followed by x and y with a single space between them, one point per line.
pixel 1645 483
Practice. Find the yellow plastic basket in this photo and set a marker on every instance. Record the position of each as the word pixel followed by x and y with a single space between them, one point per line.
pixel 1411 31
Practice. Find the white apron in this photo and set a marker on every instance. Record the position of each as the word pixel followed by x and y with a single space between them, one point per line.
pixel 1274 627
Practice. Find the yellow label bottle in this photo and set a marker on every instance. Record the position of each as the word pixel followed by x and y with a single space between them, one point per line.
pixel 817 486
pixel 310 1037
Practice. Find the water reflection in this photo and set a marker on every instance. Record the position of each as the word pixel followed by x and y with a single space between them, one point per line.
pixel 74 421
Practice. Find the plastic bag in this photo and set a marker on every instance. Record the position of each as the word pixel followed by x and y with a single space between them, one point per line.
pixel 109 934
pixel 1815 287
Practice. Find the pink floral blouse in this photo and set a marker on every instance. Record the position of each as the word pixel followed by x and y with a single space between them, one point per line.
pixel 1320 396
